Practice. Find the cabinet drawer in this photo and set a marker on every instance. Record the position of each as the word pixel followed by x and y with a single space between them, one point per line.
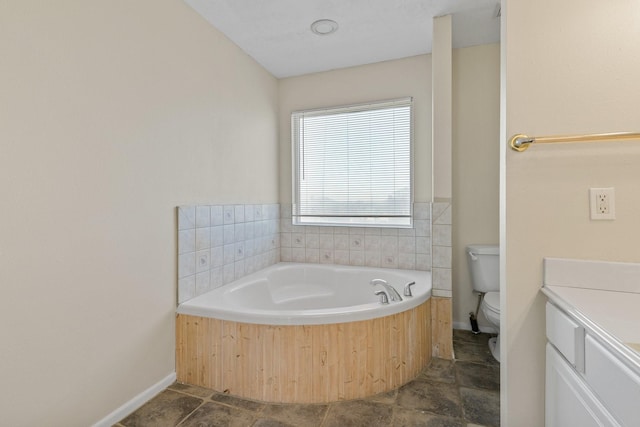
pixel 616 385
pixel 566 335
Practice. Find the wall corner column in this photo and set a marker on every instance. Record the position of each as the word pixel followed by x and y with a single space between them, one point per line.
pixel 441 227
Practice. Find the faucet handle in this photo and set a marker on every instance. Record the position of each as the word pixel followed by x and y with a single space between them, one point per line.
pixel 378 282
pixel 407 289
pixel 384 298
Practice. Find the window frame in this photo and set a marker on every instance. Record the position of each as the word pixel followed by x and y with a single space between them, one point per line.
pixel 350 221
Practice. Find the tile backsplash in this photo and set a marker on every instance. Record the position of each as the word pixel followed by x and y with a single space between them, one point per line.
pixel 442 248
pixel 218 244
pixel 405 248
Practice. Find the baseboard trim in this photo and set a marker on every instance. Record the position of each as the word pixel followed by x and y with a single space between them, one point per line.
pixel 136 402
pixel 467 327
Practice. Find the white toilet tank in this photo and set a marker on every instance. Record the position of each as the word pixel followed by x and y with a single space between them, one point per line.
pixel 484 265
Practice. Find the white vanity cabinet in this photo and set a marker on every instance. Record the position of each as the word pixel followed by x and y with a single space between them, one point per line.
pixel 589 381
pixel 569 401
pixel 615 384
pixel 593 343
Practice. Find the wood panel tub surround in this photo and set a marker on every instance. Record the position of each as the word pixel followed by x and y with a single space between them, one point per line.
pixel 442 327
pixel 304 363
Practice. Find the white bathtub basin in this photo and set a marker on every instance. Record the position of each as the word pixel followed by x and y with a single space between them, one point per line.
pixel 308 294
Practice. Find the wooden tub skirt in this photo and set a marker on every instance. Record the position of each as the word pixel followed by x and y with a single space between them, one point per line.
pixel 304 363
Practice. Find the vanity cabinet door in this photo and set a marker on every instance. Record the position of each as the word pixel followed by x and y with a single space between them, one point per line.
pixel 614 383
pixel 568 401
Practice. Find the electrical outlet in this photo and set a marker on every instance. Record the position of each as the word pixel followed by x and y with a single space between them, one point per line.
pixel 602 203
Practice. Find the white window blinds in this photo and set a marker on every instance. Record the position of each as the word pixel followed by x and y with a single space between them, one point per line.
pixel 352 165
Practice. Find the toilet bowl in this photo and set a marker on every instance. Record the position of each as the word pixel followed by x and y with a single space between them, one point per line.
pixel 491 309
pixel 484 262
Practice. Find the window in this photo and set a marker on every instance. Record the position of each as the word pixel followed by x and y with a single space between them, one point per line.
pixel 353 165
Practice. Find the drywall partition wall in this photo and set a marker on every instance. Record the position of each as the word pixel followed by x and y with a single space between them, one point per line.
pixel 112 113
pixel 442 109
pixel 573 72
pixel 476 165
pixel 442 191
pixel 441 123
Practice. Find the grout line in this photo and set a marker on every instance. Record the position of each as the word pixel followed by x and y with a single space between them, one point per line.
pixel 191 413
pixel 189 394
pixel 326 414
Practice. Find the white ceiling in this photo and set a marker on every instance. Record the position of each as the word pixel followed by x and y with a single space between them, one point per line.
pixel 277 34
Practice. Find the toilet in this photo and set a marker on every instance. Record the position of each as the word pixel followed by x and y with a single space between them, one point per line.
pixel 484 265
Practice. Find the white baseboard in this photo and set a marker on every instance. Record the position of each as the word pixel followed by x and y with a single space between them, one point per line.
pixel 467 327
pixel 136 402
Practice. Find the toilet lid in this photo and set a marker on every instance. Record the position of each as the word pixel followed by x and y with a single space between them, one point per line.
pixel 492 301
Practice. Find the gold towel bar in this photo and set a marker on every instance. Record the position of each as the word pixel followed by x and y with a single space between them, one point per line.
pixel 522 142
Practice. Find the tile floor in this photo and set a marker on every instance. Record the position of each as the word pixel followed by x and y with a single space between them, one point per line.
pixel 460 393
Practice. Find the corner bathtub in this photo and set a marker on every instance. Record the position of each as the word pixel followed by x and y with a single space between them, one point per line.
pixel 305 333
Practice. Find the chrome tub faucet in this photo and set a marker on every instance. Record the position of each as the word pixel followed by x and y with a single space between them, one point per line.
pixel 392 294
pixel 407 289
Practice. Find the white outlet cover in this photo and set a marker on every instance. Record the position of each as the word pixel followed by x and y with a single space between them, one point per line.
pixel 609 194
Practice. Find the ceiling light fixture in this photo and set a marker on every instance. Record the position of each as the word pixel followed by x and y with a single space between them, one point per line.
pixel 324 27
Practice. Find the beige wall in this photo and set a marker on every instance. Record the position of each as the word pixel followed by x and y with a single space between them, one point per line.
pixel 111 114
pixel 476 165
pixel 441 103
pixel 572 71
pixel 384 80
